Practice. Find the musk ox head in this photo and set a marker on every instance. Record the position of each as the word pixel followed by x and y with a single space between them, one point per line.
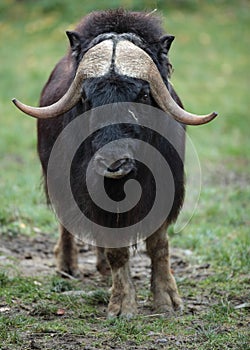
pixel 115 68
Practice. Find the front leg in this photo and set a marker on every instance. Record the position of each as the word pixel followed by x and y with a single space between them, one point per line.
pixel 66 253
pixel 163 285
pixel 123 297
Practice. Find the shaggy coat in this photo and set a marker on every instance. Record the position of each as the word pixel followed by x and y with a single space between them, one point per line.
pixel 101 91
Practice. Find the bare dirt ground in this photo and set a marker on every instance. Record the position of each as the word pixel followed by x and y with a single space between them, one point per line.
pixel 34 257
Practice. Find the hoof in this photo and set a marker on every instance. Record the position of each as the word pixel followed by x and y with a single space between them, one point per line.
pixel 168 303
pixel 125 308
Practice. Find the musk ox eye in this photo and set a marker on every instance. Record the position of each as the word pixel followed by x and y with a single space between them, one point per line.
pixel 144 97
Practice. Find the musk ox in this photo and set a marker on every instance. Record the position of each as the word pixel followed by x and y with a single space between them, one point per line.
pixel 116 57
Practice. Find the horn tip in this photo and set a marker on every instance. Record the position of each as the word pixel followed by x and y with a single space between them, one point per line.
pixel 213 115
pixel 17 103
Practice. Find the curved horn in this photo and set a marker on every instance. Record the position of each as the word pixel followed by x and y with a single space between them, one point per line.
pixel 134 62
pixel 96 62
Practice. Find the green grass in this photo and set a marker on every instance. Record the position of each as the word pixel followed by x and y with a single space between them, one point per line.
pixel 211 60
pixel 38 304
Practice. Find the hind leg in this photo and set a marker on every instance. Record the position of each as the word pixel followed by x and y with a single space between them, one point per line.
pixel 66 253
pixel 102 264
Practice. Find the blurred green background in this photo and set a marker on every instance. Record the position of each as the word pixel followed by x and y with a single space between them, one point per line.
pixel 210 56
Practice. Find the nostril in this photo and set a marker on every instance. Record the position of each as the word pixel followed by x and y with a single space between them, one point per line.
pixel 117 165
pixel 113 169
pixel 124 164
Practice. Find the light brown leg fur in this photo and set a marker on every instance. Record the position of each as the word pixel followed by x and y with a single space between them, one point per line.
pixel 123 297
pixel 66 253
pixel 163 285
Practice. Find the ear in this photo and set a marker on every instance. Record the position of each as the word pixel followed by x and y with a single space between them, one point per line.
pixel 165 43
pixel 75 42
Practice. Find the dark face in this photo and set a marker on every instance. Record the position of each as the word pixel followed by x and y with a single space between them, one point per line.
pixel 115 161
pixel 114 88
